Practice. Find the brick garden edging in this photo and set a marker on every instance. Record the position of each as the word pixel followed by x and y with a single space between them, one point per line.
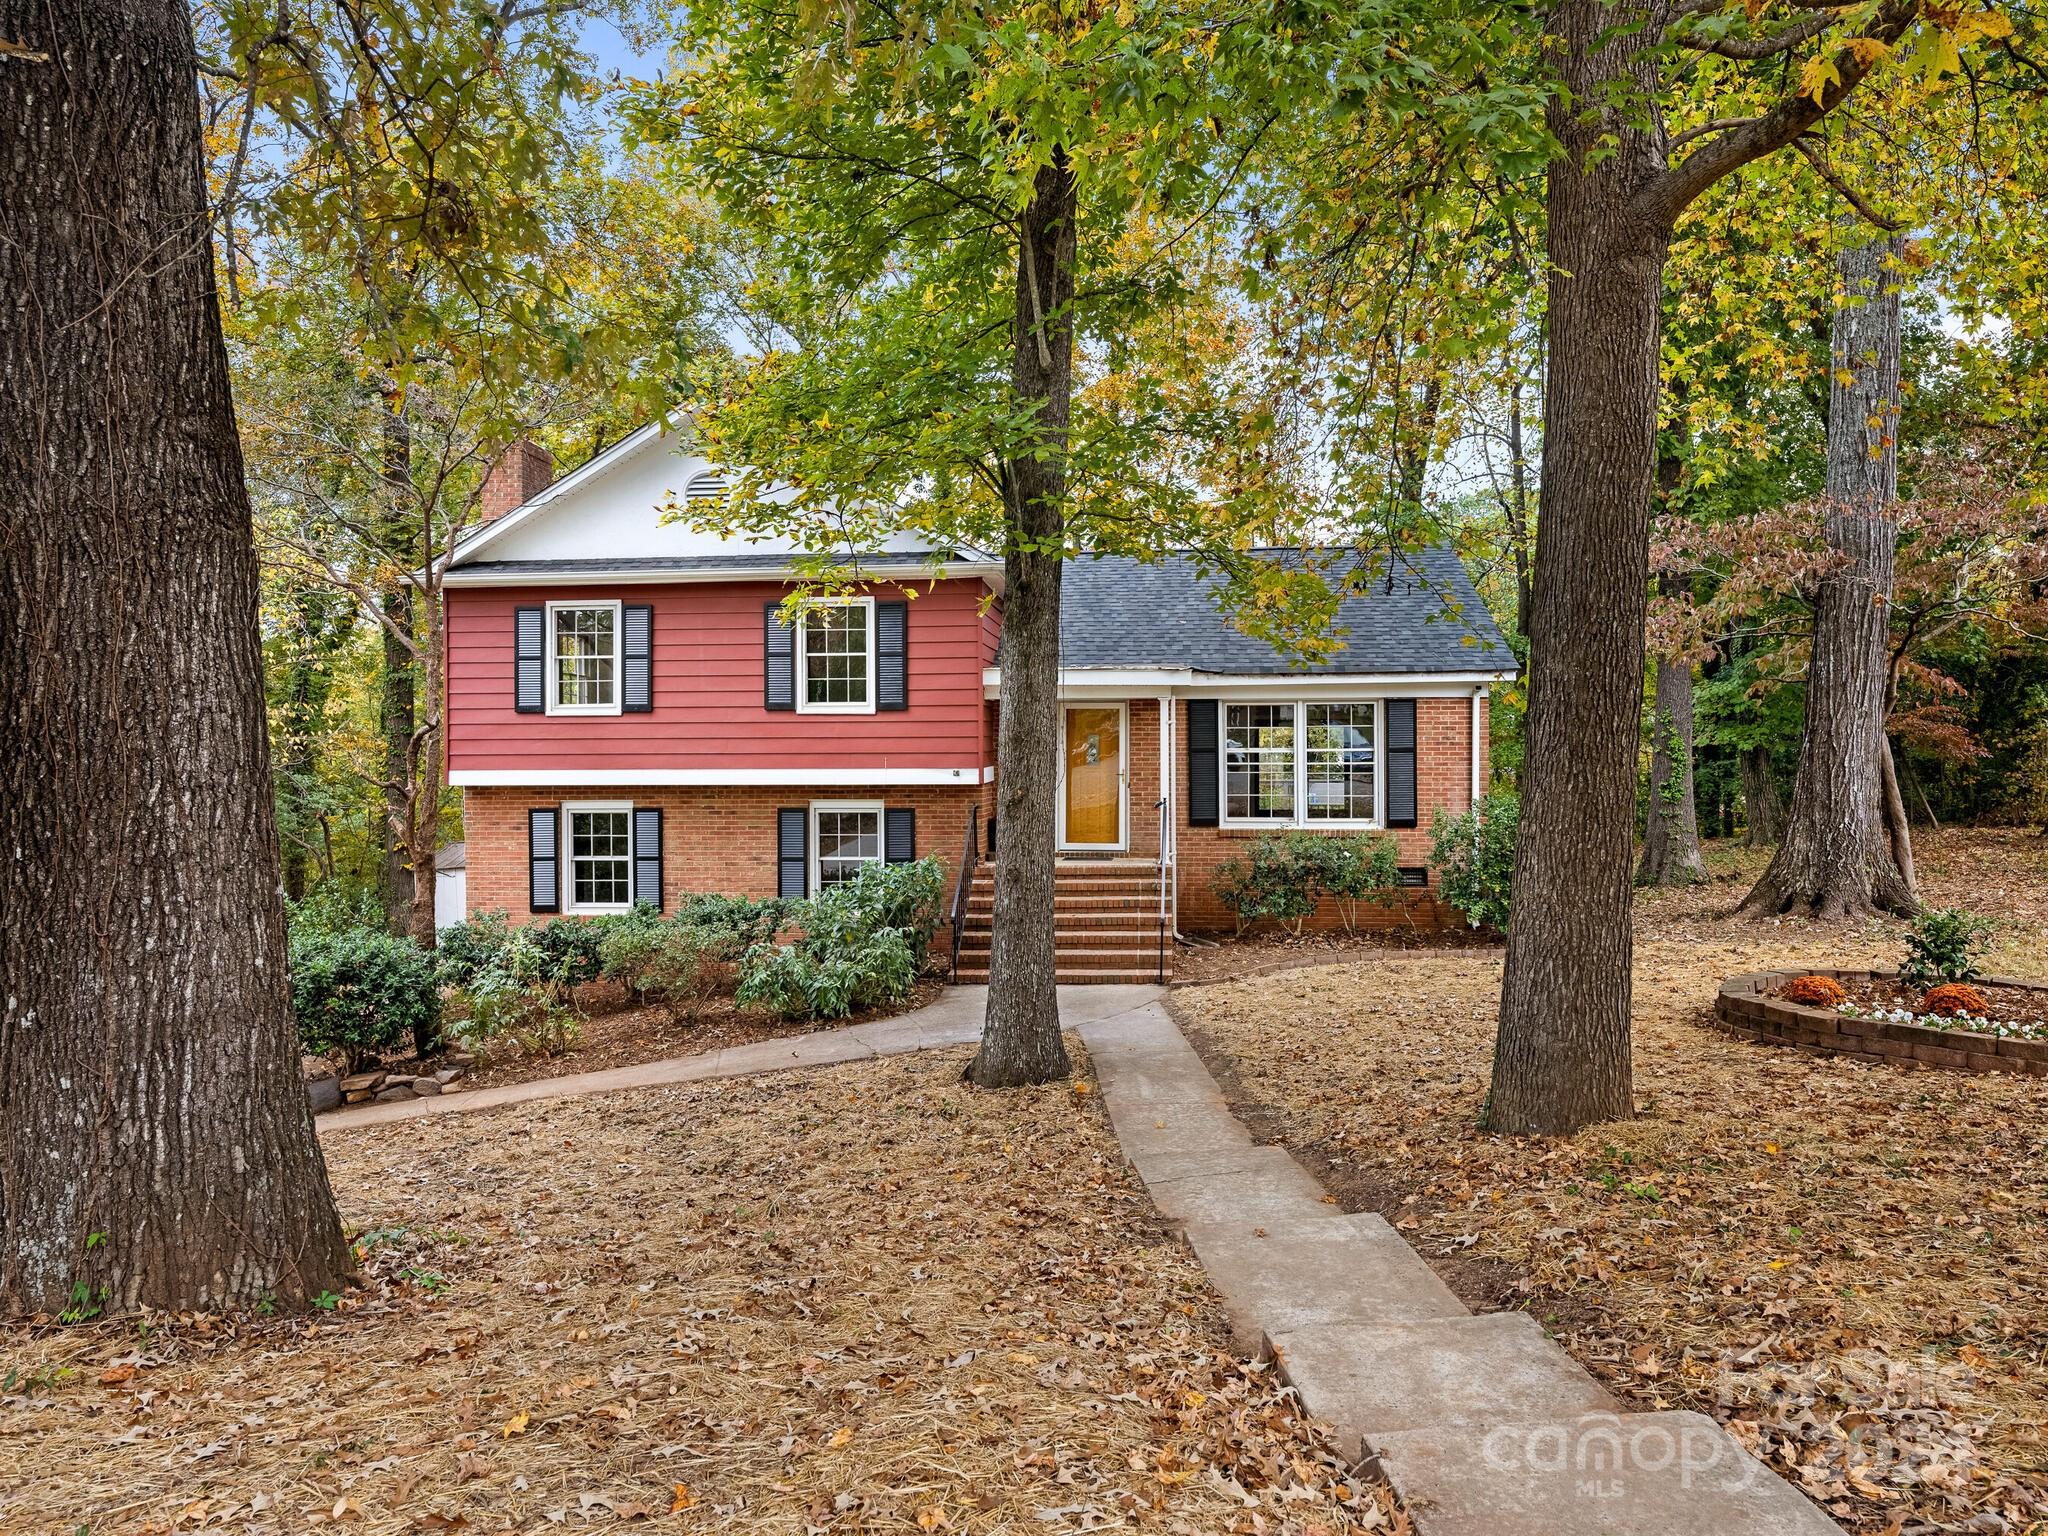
pixel 1745 1006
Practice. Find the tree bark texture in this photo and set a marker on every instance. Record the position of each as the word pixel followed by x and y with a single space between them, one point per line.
pixel 1020 1038
pixel 155 1142
pixel 1763 808
pixel 396 692
pixel 1835 859
pixel 1671 829
pixel 1562 1058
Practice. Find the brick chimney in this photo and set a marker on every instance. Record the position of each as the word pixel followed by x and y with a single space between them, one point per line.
pixel 515 477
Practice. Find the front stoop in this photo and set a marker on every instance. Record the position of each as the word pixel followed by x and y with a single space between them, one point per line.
pixel 1107 922
pixel 1482 1425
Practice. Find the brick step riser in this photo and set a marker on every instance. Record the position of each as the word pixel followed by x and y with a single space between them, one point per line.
pixel 1092 890
pixel 1080 978
pixel 1065 918
pixel 1078 944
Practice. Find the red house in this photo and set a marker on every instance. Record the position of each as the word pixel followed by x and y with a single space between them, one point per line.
pixel 630 717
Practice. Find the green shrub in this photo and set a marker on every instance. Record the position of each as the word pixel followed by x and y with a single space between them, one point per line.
pixel 1473 854
pixel 359 992
pixel 1279 879
pixel 571 949
pixel 465 949
pixel 1942 945
pixel 905 898
pixel 1352 867
pixel 861 945
pixel 738 921
pixel 828 980
pixel 677 964
pixel 504 1000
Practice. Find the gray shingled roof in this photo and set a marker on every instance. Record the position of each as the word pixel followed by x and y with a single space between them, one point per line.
pixel 1120 612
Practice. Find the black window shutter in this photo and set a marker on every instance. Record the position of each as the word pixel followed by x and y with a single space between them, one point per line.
pixel 1400 762
pixel 892 643
pixel 636 697
pixel 899 834
pixel 647 855
pixel 792 852
pixel 778 689
pixel 529 681
pixel 543 859
pixel 1203 765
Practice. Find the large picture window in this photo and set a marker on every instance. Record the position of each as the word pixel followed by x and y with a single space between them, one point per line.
pixel 1304 763
pixel 835 661
pixel 583 658
pixel 848 838
pixel 600 844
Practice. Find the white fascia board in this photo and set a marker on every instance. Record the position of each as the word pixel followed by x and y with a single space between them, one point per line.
pixel 590 469
pixel 911 572
pixel 593 778
pixel 1183 682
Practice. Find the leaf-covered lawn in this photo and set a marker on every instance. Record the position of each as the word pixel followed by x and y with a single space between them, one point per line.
pixel 1846 1261
pixel 863 1299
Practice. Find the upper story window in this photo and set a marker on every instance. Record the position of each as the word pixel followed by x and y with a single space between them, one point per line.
pixel 835 657
pixel 1301 764
pixel 583 658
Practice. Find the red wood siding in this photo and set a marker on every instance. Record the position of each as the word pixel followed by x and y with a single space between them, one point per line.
pixel 708 689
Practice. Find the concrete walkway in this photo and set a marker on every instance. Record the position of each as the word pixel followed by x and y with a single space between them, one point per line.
pixel 955 1019
pixel 1483 1426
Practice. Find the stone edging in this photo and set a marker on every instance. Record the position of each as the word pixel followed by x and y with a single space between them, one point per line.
pixel 1745 1006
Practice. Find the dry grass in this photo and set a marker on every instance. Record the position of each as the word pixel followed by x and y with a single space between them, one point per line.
pixel 1847 1261
pixel 863 1299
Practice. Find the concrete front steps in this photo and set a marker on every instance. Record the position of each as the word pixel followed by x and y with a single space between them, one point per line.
pixel 1482 1425
pixel 1106 924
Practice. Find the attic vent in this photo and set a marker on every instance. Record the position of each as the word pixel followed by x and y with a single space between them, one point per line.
pixel 708 486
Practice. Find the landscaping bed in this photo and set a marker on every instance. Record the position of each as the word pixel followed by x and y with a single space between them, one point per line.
pixel 1878 1015
pixel 1844 1262
pixel 862 1299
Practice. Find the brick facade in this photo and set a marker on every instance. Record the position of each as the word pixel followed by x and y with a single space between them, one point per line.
pixel 714 839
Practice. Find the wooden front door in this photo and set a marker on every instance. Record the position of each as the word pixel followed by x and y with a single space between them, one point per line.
pixel 1094 803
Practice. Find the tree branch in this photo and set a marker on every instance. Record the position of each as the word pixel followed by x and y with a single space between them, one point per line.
pixel 1804 144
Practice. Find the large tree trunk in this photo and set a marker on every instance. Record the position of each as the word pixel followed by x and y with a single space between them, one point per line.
pixel 1562 1059
pixel 1020 1037
pixel 397 697
pixel 1671 830
pixel 1763 808
pixel 1835 860
pixel 155 1143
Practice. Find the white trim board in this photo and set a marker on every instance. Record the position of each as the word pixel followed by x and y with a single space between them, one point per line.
pixel 1183 683
pixel 899 571
pixel 834 778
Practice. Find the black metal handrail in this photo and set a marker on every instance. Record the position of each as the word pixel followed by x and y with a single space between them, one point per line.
pixel 965 885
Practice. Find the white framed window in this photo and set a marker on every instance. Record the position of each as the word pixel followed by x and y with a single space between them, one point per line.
pixel 846 837
pixel 1304 763
pixel 597 841
pixel 835 657
pixel 583 658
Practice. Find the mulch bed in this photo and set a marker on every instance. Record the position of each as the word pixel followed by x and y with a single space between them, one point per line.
pixel 866 1299
pixel 614 1033
pixel 1844 1261
pixel 2019 1005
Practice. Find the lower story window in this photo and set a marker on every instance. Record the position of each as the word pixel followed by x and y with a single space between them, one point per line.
pixel 848 839
pixel 1306 763
pixel 600 858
